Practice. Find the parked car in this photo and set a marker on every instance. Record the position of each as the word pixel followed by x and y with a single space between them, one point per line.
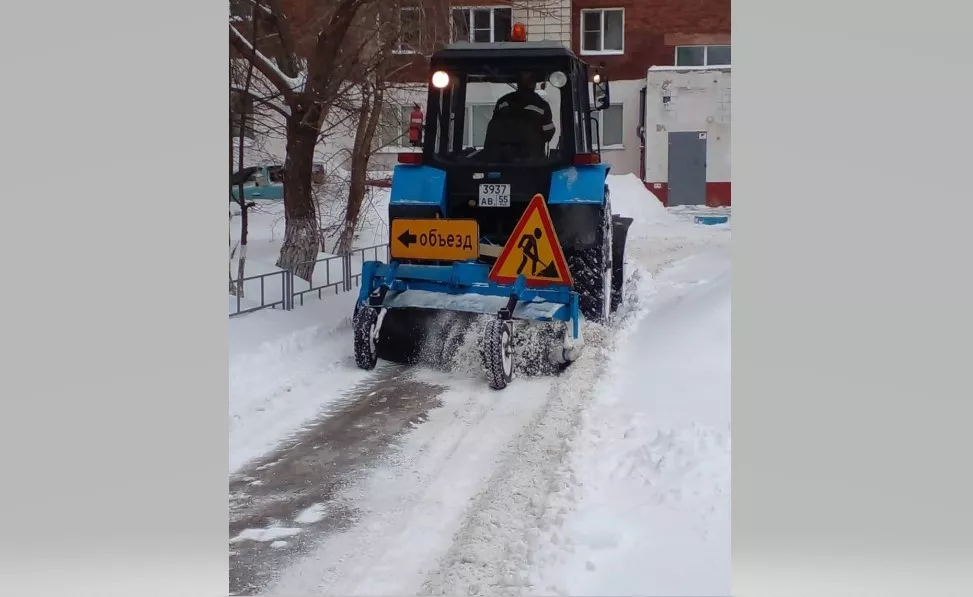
pixel 266 182
pixel 259 182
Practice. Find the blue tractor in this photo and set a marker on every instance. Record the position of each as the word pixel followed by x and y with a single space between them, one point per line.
pixel 502 210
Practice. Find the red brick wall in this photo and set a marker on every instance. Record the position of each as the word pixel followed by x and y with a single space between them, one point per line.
pixel 653 29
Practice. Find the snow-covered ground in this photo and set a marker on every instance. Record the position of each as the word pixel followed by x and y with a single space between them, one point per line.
pixel 650 512
pixel 612 478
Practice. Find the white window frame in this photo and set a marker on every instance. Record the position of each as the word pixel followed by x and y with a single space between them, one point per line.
pixel 469 13
pixel 706 47
pixel 581 32
pixel 601 128
pixel 398 44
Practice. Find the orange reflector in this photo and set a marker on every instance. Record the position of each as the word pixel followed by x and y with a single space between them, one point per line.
pixel 519 32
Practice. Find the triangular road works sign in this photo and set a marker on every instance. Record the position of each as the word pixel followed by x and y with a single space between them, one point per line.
pixel 532 250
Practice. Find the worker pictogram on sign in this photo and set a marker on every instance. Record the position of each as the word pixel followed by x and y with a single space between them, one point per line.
pixel 533 250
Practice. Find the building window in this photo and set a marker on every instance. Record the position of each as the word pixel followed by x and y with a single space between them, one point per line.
pixel 603 31
pixel 410 28
pixel 610 126
pixel 478 117
pixel 703 55
pixel 482 25
pixel 393 130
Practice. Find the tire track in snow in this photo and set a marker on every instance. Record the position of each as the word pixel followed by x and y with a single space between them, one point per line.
pixel 416 498
pixel 490 553
pixel 288 495
pixel 276 391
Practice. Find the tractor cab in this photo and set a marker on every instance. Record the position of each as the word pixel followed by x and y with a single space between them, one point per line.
pixel 475 90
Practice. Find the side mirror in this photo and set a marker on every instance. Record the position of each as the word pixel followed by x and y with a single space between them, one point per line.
pixel 602 92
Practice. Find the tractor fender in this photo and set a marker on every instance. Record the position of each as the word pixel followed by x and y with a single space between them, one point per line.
pixel 579 185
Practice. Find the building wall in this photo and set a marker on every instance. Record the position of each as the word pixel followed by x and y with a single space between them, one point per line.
pixel 653 29
pixel 699 100
pixel 624 158
pixel 546 20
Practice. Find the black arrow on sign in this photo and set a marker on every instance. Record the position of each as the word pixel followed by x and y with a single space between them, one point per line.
pixel 407 238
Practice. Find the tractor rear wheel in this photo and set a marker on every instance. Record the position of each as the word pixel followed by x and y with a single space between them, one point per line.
pixel 592 270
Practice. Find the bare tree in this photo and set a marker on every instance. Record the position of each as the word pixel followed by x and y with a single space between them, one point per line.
pixel 308 73
pixel 372 92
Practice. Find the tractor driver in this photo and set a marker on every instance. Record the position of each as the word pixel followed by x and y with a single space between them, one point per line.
pixel 528 106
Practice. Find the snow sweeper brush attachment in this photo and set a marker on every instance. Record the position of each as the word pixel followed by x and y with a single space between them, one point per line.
pixel 401 306
pixel 398 306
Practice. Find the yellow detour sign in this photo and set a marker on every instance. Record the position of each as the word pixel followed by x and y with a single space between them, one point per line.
pixel 435 240
pixel 532 250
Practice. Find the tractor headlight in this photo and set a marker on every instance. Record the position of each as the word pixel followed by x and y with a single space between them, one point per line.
pixel 440 79
pixel 558 79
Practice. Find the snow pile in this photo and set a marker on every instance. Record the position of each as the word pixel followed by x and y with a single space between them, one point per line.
pixel 645 508
pixel 659 236
pixel 311 514
pixel 630 198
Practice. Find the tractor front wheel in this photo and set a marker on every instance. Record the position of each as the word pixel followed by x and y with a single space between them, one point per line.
pixel 498 357
pixel 366 337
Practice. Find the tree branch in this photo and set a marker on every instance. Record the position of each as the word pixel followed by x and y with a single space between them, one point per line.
pixel 264 101
pixel 286 85
pixel 292 63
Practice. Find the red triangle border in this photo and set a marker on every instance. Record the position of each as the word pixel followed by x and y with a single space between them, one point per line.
pixel 536 203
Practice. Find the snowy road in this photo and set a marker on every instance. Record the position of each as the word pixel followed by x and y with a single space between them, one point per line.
pixel 405 481
pixel 299 481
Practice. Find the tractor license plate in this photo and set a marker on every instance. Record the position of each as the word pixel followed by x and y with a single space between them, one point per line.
pixel 494 195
